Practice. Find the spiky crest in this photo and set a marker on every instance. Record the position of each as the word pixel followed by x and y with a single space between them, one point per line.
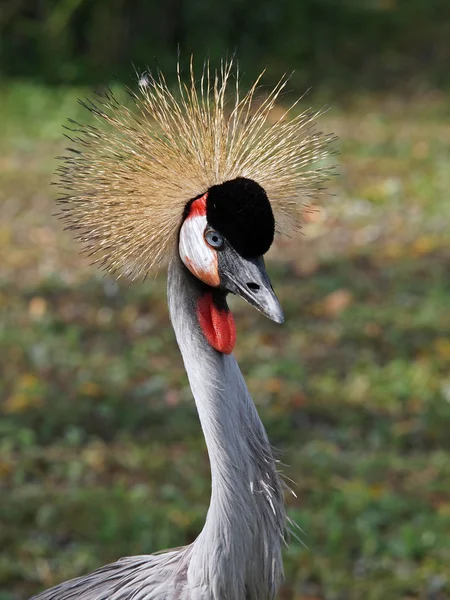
pixel 128 180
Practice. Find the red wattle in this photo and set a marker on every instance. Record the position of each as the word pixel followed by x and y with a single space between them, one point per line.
pixel 217 324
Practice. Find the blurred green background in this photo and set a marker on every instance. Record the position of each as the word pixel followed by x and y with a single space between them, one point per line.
pixel 101 453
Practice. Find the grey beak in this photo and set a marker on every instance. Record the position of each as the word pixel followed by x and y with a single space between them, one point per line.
pixel 248 278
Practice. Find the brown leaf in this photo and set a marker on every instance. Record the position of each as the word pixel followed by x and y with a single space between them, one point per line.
pixel 336 302
pixel 37 307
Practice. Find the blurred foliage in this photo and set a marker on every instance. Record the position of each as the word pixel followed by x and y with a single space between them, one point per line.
pixel 101 453
pixel 370 43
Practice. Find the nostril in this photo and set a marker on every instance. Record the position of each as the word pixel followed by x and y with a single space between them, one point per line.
pixel 253 286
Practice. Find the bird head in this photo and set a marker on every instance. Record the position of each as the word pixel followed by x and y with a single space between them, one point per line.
pixel 207 172
pixel 224 235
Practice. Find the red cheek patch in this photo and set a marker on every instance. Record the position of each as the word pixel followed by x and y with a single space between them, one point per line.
pixel 198 207
pixel 217 324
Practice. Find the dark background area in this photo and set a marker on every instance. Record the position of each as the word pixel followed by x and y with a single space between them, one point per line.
pixel 375 44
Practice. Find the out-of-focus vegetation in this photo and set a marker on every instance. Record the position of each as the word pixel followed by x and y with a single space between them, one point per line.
pixel 349 43
pixel 101 453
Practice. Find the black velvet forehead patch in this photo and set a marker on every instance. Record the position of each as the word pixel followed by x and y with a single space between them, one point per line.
pixel 240 210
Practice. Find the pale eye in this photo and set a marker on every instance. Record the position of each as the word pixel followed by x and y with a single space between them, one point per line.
pixel 214 239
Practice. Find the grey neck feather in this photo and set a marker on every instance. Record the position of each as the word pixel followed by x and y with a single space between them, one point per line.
pixel 237 555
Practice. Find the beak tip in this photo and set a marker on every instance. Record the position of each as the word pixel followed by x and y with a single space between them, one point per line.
pixel 279 318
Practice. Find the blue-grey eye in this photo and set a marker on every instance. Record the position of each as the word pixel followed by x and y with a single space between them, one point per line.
pixel 214 239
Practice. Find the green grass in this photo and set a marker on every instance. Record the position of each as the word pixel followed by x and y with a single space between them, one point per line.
pixel 101 454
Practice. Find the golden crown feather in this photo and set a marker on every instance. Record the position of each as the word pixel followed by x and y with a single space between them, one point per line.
pixel 128 179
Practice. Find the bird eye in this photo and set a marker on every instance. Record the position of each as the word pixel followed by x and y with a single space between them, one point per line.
pixel 214 239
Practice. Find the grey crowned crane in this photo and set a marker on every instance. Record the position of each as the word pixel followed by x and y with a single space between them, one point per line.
pixel 199 180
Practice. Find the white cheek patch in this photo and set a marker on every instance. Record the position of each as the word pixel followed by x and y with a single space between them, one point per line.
pixel 197 256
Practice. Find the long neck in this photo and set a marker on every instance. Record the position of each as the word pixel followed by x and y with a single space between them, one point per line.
pixel 238 553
